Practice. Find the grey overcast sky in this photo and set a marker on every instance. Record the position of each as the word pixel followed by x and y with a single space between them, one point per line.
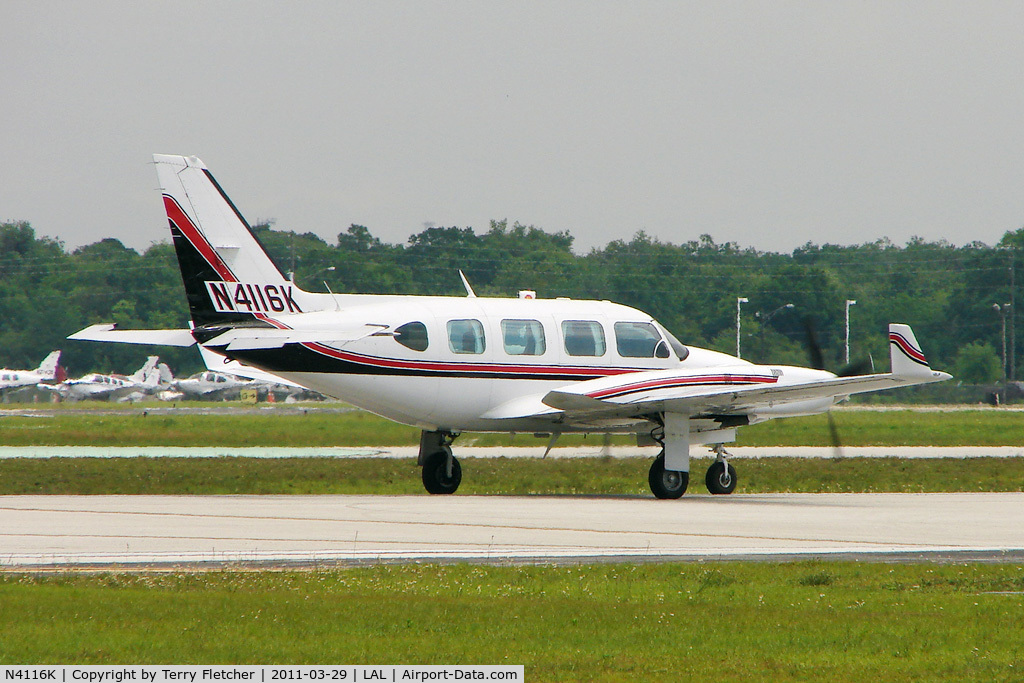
pixel 766 123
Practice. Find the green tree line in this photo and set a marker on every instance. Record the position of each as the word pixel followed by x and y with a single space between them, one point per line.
pixel 945 292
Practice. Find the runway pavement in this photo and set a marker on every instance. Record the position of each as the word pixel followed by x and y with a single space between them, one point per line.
pixel 64 532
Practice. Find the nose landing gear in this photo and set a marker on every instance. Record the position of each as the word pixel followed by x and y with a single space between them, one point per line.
pixel 721 476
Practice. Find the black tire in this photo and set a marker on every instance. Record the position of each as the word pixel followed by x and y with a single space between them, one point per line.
pixel 435 474
pixel 666 484
pixel 721 478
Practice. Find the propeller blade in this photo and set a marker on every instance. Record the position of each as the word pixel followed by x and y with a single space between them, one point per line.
pixel 837 445
pixel 863 366
pixel 813 347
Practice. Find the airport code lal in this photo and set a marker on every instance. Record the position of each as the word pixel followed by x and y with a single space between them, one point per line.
pixel 257 674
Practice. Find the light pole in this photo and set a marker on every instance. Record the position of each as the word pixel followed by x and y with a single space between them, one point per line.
pixel 765 317
pixel 1002 311
pixel 740 300
pixel 849 302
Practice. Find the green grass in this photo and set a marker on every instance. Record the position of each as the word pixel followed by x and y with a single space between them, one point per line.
pixel 892 428
pixel 727 621
pixel 276 427
pixel 492 476
pixel 638 622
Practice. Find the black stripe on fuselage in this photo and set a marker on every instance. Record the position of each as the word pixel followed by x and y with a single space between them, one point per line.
pixel 294 358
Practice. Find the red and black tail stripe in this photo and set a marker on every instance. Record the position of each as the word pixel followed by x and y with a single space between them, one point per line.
pixel 909 350
pixel 199 263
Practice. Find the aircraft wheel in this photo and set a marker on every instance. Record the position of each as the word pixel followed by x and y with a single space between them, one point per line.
pixel 435 473
pixel 721 478
pixel 666 484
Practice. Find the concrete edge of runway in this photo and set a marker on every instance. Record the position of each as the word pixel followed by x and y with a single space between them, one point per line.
pixel 500 557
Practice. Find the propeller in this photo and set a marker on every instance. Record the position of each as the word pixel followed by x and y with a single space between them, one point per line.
pixel 858 367
pixel 862 366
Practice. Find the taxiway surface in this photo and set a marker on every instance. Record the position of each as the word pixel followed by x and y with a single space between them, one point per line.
pixel 62 532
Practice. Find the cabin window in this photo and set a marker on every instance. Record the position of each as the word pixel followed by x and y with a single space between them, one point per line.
pixel 583 337
pixel 523 337
pixel 412 335
pixel 639 340
pixel 466 336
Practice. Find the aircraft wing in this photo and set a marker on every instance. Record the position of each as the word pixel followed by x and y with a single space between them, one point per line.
pixel 659 392
pixel 719 391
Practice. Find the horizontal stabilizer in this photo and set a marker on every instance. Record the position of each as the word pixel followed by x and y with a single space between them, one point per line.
pixel 107 332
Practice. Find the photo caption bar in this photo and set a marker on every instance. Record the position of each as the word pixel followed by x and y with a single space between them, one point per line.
pixel 256 674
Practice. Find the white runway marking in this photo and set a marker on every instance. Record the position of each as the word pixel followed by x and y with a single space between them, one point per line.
pixel 138 531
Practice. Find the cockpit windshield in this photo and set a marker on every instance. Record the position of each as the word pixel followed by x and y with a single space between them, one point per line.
pixel 677 346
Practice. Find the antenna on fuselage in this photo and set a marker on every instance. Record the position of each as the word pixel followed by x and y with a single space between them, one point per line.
pixel 465 283
pixel 337 304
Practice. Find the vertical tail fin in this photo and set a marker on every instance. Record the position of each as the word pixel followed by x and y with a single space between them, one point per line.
pixel 228 275
pixel 905 355
pixel 48 368
pixel 143 373
pixel 166 376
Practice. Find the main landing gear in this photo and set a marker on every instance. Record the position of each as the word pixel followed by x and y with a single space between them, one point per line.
pixel 441 470
pixel 668 484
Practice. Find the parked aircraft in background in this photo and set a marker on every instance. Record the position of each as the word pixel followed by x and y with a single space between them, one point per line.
pixel 101 387
pixel 224 379
pixel 212 385
pixel 48 371
pixel 450 364
pixel 221 364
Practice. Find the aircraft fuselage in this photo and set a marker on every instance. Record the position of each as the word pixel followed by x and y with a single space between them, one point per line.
pixel 448 363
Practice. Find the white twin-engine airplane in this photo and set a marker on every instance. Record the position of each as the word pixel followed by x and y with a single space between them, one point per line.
pixel 47 371
pixel 452 364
